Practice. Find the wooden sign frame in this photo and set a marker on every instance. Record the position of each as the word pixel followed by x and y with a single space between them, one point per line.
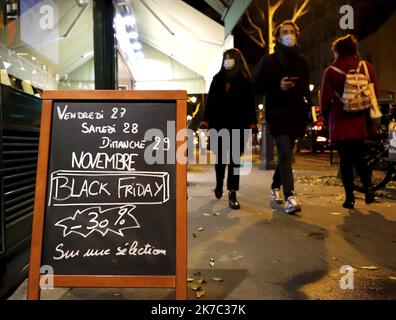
pixel 178 281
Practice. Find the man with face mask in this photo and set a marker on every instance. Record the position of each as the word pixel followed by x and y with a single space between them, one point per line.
pixel 283 78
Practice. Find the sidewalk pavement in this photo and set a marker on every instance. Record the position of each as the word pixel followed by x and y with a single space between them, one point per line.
pixel 259 252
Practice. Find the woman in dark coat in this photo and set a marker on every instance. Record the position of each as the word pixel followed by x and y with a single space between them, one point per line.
pixel 348 130
pixel 230 105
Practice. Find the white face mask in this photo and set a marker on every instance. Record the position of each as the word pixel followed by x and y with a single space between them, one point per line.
pixel 229 64
pixel 289 40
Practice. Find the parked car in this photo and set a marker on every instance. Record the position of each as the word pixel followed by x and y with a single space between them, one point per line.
pixel 316 136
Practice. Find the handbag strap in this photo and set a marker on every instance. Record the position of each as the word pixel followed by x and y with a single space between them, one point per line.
pixel 366 72
pixel 343 73
pixel 337 70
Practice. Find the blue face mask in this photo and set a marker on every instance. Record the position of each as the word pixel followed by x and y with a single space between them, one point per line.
pixel 229 64
pixel 289 40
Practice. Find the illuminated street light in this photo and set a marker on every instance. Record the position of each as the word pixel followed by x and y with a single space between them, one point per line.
pixel 136 45
pixel 134 35
pixel 139 55
pixel 193 99
pixel 6 64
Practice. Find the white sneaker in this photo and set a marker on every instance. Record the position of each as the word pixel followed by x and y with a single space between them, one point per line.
pixel 292 205
pixel 276 196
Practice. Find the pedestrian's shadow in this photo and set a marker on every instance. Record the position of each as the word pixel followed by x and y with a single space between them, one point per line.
pixel 279 256
pixel 209 220
pixel 280 210
pixel 372 235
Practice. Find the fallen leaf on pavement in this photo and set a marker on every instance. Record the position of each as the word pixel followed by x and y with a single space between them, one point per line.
pixel 392 278
pixel 190 279
pixel 200 280
pixel 237 257
pixel 195 286
pixel 211 262
pixel 335 213
pixel 206 214
pixel 217 279
pixel 194 235
pixel 369 268
pixel 199 294
pixel 316 235
pixel 201 229
pixel 216 214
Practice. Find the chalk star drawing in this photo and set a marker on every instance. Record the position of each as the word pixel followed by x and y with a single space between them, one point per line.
pixel 89 220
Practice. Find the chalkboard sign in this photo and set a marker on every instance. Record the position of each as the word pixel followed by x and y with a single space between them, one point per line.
pixel 110 205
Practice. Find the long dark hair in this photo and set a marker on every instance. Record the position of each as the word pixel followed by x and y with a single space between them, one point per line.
pixel 346 46
pixel 241 67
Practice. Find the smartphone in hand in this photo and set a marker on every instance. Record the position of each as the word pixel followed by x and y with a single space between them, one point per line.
pixel 293 79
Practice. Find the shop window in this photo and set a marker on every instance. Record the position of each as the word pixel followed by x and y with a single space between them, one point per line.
pixel 47 44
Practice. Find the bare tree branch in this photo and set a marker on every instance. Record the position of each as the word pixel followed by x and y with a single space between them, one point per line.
pixel 255 32
pixel 301 11
pixel 259 43
pixel 256 28
pixel 260 10
pixel 272 8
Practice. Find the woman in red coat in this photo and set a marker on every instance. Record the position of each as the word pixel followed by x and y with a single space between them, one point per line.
pixel 348 130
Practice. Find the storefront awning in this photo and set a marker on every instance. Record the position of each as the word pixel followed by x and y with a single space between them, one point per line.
pixel 182 33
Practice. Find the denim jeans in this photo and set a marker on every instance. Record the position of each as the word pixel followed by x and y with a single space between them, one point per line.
pixel 283 176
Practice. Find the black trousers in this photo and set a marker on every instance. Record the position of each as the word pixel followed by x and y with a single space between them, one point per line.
pixel 225 157
pixel 352 156
pixel 232 176
pixel 283 176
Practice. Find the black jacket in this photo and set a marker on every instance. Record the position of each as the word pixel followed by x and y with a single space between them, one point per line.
pixel 233 110
pixel 285 112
